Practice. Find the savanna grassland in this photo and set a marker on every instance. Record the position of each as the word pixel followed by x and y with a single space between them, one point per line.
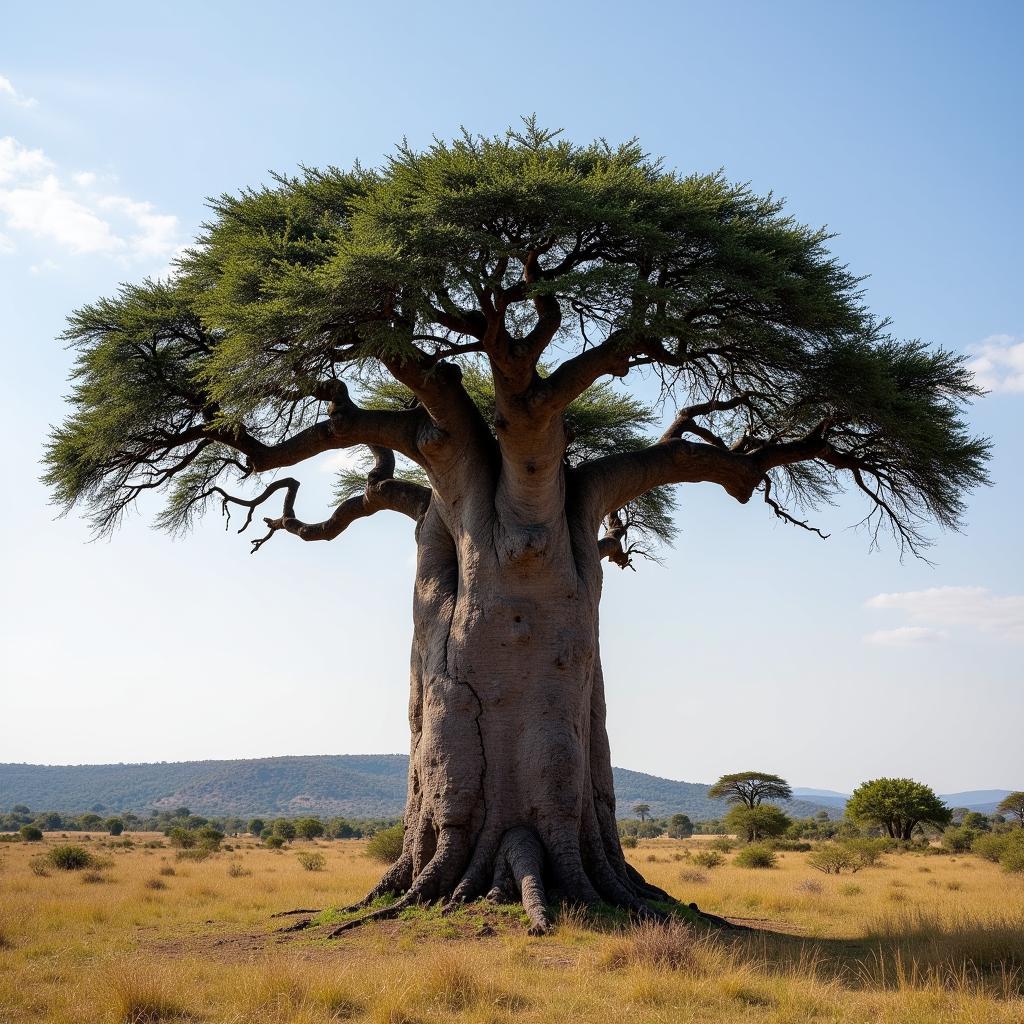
pixel 144 936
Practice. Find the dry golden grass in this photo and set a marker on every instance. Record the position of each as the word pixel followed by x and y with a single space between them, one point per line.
pixel 915 939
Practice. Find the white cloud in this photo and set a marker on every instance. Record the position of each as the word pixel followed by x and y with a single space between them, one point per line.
pixel 68 215
pixel 19 162
pixel 9 93
pixel 998 363
pixel 904 636
pixel 969 607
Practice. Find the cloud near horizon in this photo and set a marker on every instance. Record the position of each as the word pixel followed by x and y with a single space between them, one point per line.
pixel 72 215
pixel 974 608
pixel 998 363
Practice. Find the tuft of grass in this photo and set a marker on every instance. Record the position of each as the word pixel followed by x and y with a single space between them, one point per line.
pixel 155 883
pixel 311 861
pixel 139 993
pixel 669 946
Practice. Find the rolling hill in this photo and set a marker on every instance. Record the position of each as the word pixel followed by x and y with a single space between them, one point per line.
pixel 341 785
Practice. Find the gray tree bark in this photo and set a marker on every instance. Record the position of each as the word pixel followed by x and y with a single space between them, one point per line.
pixel 510 783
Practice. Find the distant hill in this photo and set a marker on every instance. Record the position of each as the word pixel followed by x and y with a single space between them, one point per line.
pixel 339 785
pixel 983 800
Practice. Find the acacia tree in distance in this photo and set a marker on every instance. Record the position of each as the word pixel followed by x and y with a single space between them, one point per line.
pixel 750 788
pixel 1013 804
pixel 460 313
pixel 897 805
pixel 641 811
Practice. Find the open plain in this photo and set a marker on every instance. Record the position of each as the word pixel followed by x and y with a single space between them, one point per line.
pixel 146 934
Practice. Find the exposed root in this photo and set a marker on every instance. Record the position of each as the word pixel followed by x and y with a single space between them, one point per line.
pixel 297 926
pixel 300 910
pixel 523 856
pixel 382 914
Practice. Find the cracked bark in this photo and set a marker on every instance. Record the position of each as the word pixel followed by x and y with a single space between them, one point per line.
pixel 510 781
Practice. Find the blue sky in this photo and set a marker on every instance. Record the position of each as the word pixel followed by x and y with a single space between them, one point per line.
pixel 757 644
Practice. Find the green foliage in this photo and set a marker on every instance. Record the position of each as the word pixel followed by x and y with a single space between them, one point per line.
pixel 642 811
pixel 899 806
pixel 1013 806
pixel 629 842
pixel 708 859
pixel 959 838
pixel 750 788
pixel 755 856
pixel 115 826
pixel 386 845
pixel 255 826
pixel 831 859
pixel 762 821
pixel 311 861
pixel 309 828
pixel 209 838
pixel 680 826
pixel 1012 858
pixel 283 827
pixel 990 847
pixel 182 838
pixel 334 272
pixel 274 841
pixel 69 858
pixel 30 834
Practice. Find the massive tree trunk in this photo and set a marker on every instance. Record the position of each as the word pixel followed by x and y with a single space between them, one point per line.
pixel 510 781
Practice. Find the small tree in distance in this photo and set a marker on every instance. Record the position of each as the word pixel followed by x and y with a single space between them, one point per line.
pixel 899 806
pixel 764 821
pixel 642 811
pixel 750 788
pixel 1013 806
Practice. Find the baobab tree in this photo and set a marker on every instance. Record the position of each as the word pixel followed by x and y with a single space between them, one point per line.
pixel 462 314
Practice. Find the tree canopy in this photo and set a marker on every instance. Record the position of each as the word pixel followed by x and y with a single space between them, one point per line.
pixel 466 296
pixel 750 788
pixel 1013 804
pixel 897 805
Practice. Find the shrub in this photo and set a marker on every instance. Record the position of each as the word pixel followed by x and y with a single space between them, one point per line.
pixel 959 839
pixel 115 826
pixel 69 858
pixel 30 833
pixel 182 838
pixel 274 841
pixel 831 859
pixel 167 871
pixel 990 846
pixel 809 887
pixel 867 852
pixel 284 828
pixel 708 859
pixel 755 856
pixel 155 883
pixel 629 842
pixel 386 845
pixel 235 870
pixel 850 890
pixel 1012 858
pixel 313 861
pixel 210 838
pixel 723 844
